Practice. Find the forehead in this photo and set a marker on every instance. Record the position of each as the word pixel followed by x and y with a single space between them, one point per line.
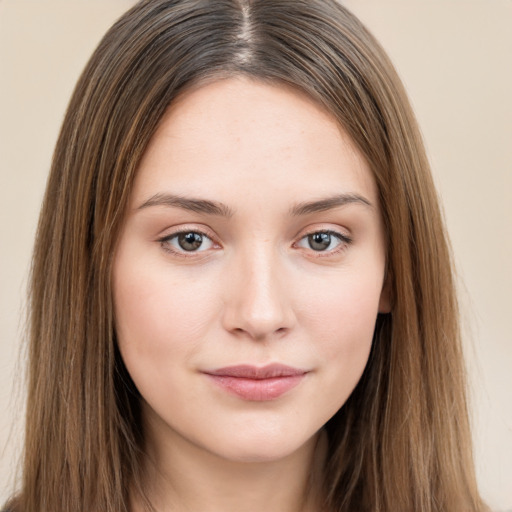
pixel 241 134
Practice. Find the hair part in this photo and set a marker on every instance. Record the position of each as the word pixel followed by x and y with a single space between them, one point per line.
pixel 402 440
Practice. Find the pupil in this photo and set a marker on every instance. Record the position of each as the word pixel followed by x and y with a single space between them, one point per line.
pixel 190 241
pixel 320 241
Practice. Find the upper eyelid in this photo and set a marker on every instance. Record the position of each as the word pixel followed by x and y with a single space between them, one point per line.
pixel 343 239
pixel 170 233
pixel 299 236
pixel 165 242
pixel 324 229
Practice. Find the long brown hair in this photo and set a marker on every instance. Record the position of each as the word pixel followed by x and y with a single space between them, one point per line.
pixel 401 442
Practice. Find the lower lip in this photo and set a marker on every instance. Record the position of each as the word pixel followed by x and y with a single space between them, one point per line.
pixel 258 390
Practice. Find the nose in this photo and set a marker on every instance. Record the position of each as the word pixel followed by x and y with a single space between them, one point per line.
pixel 258 302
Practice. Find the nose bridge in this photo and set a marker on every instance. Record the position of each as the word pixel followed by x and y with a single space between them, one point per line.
pixel 258 302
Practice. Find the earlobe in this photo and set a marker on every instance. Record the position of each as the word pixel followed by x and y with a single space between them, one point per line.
pixel 385 300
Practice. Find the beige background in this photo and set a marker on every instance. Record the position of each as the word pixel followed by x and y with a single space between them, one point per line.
pixel 455 57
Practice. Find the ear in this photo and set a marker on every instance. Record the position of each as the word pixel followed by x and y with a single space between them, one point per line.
pixel 385 300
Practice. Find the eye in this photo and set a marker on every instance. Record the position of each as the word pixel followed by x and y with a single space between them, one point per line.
pixel 323 241
pixel 187 241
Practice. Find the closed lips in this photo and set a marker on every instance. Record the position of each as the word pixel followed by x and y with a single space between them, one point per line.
pixel 257 373
pixel 255 384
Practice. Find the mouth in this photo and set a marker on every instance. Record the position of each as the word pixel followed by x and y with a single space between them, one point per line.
pixel 257 383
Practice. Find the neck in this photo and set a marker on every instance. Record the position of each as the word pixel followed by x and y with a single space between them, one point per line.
pixel 180 476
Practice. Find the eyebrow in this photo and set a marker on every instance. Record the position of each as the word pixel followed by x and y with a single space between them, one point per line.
pixel 328 203
pixel 188 203
pixel 220 209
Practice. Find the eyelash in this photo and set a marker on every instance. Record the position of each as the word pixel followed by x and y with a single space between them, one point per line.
pixel 344 242
pixel 165 243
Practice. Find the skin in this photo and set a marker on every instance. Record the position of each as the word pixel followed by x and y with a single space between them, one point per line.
pixel 256 290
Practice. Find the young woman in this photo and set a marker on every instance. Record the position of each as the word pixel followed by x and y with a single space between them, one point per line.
pixel 242 295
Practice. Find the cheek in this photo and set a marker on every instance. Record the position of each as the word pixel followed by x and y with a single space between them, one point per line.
pixel 160 319
pixel 341 318
pixel 344 308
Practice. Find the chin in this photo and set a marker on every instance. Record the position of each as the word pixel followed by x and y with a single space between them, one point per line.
pixel 262 448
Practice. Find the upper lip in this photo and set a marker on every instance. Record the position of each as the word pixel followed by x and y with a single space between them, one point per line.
pixel 246 371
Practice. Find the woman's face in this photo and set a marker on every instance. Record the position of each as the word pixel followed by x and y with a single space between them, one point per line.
pixel 249 272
